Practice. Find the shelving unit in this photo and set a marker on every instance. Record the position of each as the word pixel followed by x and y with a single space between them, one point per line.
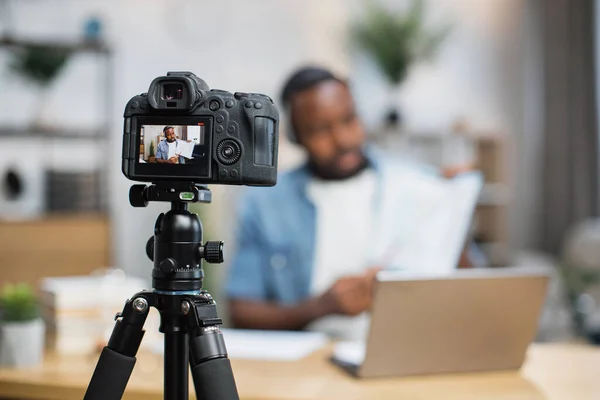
pixel 72 236
pixel 66 44
pixel 93 138
pixel 52 133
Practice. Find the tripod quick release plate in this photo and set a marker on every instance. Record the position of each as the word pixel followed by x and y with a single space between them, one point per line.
pixel 141 195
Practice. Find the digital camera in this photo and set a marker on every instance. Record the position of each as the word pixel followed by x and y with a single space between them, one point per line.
pixel 181 130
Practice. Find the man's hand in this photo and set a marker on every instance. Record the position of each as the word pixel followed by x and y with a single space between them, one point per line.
pixel 350 295
pixel 172 160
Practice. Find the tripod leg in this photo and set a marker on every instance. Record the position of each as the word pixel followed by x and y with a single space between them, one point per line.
pixel 118 358
pixel 176 366
pixel 211 369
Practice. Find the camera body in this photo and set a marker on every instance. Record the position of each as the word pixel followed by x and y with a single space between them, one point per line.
pixel 181 130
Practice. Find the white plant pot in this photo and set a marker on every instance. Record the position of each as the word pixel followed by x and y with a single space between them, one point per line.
pixel 22 343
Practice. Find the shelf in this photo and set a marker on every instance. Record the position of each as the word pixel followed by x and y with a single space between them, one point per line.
pixel 54 217
pixel 70 45
pixel 53 133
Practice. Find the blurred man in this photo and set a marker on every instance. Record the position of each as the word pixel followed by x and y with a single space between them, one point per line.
pixel 304 245
pixel 168 149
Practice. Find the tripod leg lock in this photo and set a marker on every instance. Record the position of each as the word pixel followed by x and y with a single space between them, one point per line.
pixel 211 369
pixel 209 344
pixel 118 358
pixel 128 331
pixel 206 339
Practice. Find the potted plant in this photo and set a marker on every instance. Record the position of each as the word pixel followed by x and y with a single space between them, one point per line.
pixel 21 328
pixel 40 64
pixel 396 41
pixel 151 155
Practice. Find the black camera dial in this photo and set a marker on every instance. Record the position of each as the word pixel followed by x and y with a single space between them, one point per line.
pixel 228 152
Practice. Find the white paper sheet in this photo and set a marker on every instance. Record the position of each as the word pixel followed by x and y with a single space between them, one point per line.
pixel 268 345
pixel 185 149
pixel 425 229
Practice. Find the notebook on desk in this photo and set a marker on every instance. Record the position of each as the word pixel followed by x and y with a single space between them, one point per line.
pixel 461 321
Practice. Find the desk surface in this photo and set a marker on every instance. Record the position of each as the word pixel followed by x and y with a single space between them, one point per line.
pixel 552 371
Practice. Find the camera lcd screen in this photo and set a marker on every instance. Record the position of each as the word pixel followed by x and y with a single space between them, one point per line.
pixel 179 149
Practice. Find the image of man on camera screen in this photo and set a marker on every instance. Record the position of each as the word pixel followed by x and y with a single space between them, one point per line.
pixel 169 151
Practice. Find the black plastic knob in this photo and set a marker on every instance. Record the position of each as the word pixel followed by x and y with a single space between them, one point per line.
pixel 214 252
pixel 137 196
pixel 168 265
pixel 150 248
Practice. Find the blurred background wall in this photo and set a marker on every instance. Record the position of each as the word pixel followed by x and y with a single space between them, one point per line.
pixel 251 46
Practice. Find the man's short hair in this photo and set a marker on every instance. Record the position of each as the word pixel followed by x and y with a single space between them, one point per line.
pixel 166 128
pixel 300 80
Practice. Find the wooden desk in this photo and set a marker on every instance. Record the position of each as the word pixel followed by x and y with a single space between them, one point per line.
pixel 552 371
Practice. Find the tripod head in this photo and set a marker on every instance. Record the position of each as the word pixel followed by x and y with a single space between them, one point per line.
pixel 189 319
pixel 176 248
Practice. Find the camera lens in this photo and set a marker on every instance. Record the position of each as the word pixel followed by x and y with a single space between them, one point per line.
pixel 228 151
pixel 172 91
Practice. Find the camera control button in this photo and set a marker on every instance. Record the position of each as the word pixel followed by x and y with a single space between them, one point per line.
pixel 229 103
pixel 168 265
pixel 223 174
pixel 233 173
pixel 249 104
pixel 231 129
pixel 214 105
pixel 220 119
pixel 134 104
pixel 239 95
pixel 219 129
pixel 257 105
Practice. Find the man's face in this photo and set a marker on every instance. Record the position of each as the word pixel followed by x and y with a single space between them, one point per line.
pixel 170 135
pixel 327 126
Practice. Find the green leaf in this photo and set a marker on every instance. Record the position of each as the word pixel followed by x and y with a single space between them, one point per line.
pixel 397 40
pixel 18 302
pixel 39 63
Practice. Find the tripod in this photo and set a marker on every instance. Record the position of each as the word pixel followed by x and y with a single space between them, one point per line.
pixel 188 314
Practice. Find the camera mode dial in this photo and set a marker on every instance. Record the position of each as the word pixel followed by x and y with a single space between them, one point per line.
pixel 228 152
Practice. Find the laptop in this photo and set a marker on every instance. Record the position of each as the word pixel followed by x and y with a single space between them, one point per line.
pixel 469 320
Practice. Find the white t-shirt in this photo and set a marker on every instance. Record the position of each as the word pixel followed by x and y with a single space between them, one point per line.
pixel 172 149
pixel 345 214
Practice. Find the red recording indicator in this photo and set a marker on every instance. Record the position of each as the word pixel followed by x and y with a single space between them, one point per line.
pixel 200 123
